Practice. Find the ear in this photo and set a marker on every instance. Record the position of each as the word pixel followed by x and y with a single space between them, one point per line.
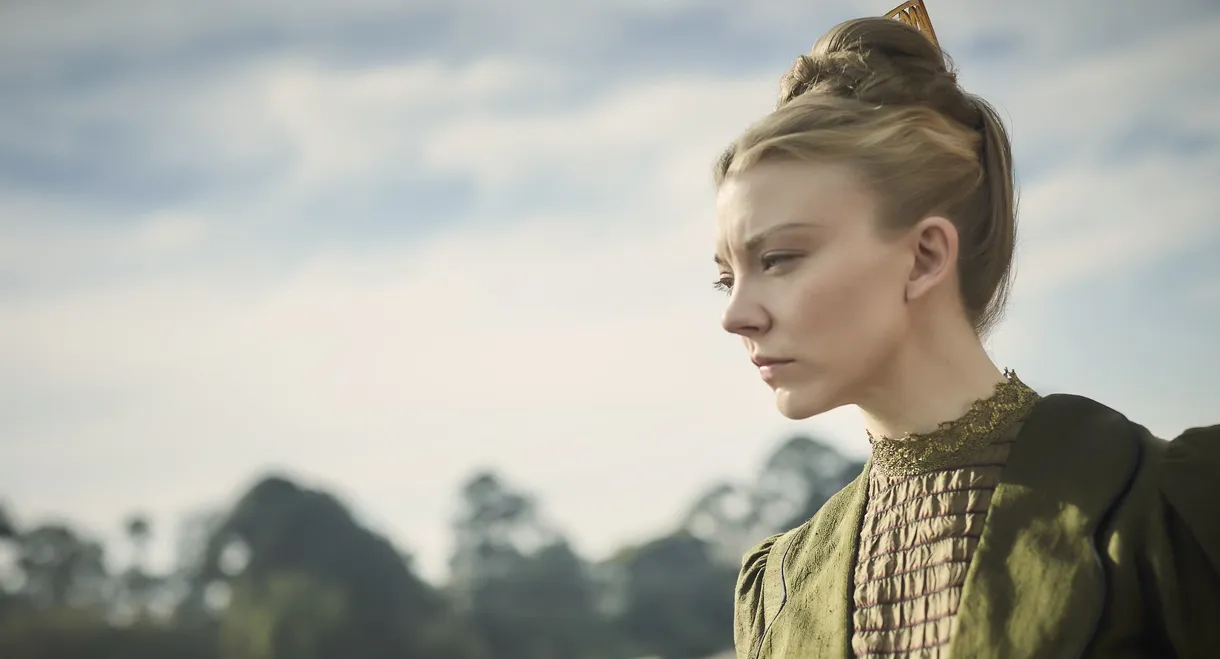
pixel 934 243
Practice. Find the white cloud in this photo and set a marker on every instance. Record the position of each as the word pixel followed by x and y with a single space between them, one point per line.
pixel 1080 108
pixel 627 133
pixel 1082 222
pixel 34 36
pixel 38 38
pixel 304 124
pixel 39 32
pixel 58 247
pixel 304 130
pixel 1205 294
pixel 345 125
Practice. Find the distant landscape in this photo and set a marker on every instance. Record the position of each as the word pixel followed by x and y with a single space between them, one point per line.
pixel 288 573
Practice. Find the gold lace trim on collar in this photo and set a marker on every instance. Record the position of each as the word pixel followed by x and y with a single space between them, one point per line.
pixel 953 443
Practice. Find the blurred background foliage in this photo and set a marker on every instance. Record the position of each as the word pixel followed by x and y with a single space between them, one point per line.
pixel 288 572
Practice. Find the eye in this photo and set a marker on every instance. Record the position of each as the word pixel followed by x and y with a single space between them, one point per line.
pixel 724 284
pixel 776 259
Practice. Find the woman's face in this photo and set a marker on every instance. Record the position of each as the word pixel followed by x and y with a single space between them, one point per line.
pixel 815 291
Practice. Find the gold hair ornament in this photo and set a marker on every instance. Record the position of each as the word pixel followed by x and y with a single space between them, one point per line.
pixel 915 14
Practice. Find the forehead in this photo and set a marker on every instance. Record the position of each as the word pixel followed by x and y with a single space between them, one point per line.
pixel 772 194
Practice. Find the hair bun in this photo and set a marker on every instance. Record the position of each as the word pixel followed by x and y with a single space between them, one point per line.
pixel 879 61
pixel 838 74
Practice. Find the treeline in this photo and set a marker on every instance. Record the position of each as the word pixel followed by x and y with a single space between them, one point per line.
pixel 288 573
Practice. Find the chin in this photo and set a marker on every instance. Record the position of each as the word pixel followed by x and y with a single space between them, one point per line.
pixel 799 405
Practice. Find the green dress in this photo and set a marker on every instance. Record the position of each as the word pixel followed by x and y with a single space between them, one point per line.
pixel 1061 529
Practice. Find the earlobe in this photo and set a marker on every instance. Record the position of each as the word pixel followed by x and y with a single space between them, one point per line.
pixel 934 241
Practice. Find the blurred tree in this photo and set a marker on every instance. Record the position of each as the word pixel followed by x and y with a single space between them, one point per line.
pixel 678 598
pixel 192 578
pixel 139 586
pixel 316 577
pixel 139 532
pixel 728 517
pixel 61 569
pixel 8 527
pixel 496 528
pixel 67 634
pixel 527 593
pixel 9 574
pixel 796 480
pixel 286 614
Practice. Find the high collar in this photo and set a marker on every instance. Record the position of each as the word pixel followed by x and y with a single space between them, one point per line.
pixel 955 442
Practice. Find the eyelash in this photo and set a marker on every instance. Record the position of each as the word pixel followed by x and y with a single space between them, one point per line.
pixel 725 284
pixel 771 260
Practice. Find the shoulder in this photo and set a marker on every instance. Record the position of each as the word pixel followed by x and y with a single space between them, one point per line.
pixel 1103 428
pixel 1193 456
pixel 750 605
pixel 1172 483
pixel 766 556
pixel 1178 476
pixel 1076 450
pixel 1072 436
pixel 1172 532
pixel 1188 469
pixel 1079 419
pixel 761 589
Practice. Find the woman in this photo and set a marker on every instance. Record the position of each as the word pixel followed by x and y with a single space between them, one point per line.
pixel 866 231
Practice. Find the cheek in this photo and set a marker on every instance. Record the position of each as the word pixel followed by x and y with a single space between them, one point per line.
pixel 855 305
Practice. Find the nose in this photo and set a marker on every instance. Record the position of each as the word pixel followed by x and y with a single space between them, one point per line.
pixel 745 316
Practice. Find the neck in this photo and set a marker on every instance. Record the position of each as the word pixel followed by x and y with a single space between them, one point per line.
pixel 936 377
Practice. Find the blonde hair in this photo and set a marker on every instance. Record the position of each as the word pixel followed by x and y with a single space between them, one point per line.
pixel 882 98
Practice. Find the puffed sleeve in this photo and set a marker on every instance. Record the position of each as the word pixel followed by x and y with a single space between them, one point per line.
pixel 1190 490
pixel 749 619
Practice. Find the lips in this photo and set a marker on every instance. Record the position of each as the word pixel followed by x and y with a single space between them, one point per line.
pixel 761 361
pixel 769 366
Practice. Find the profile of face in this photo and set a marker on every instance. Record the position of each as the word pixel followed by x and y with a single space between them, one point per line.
pixel 818 292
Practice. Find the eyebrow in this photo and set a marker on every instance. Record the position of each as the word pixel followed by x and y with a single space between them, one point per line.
pixel 759 238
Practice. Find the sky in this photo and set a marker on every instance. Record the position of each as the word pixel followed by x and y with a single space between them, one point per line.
pixel 379 245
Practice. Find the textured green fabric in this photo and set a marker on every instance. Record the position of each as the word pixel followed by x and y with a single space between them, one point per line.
pixel 1081 476
pixel 792 582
